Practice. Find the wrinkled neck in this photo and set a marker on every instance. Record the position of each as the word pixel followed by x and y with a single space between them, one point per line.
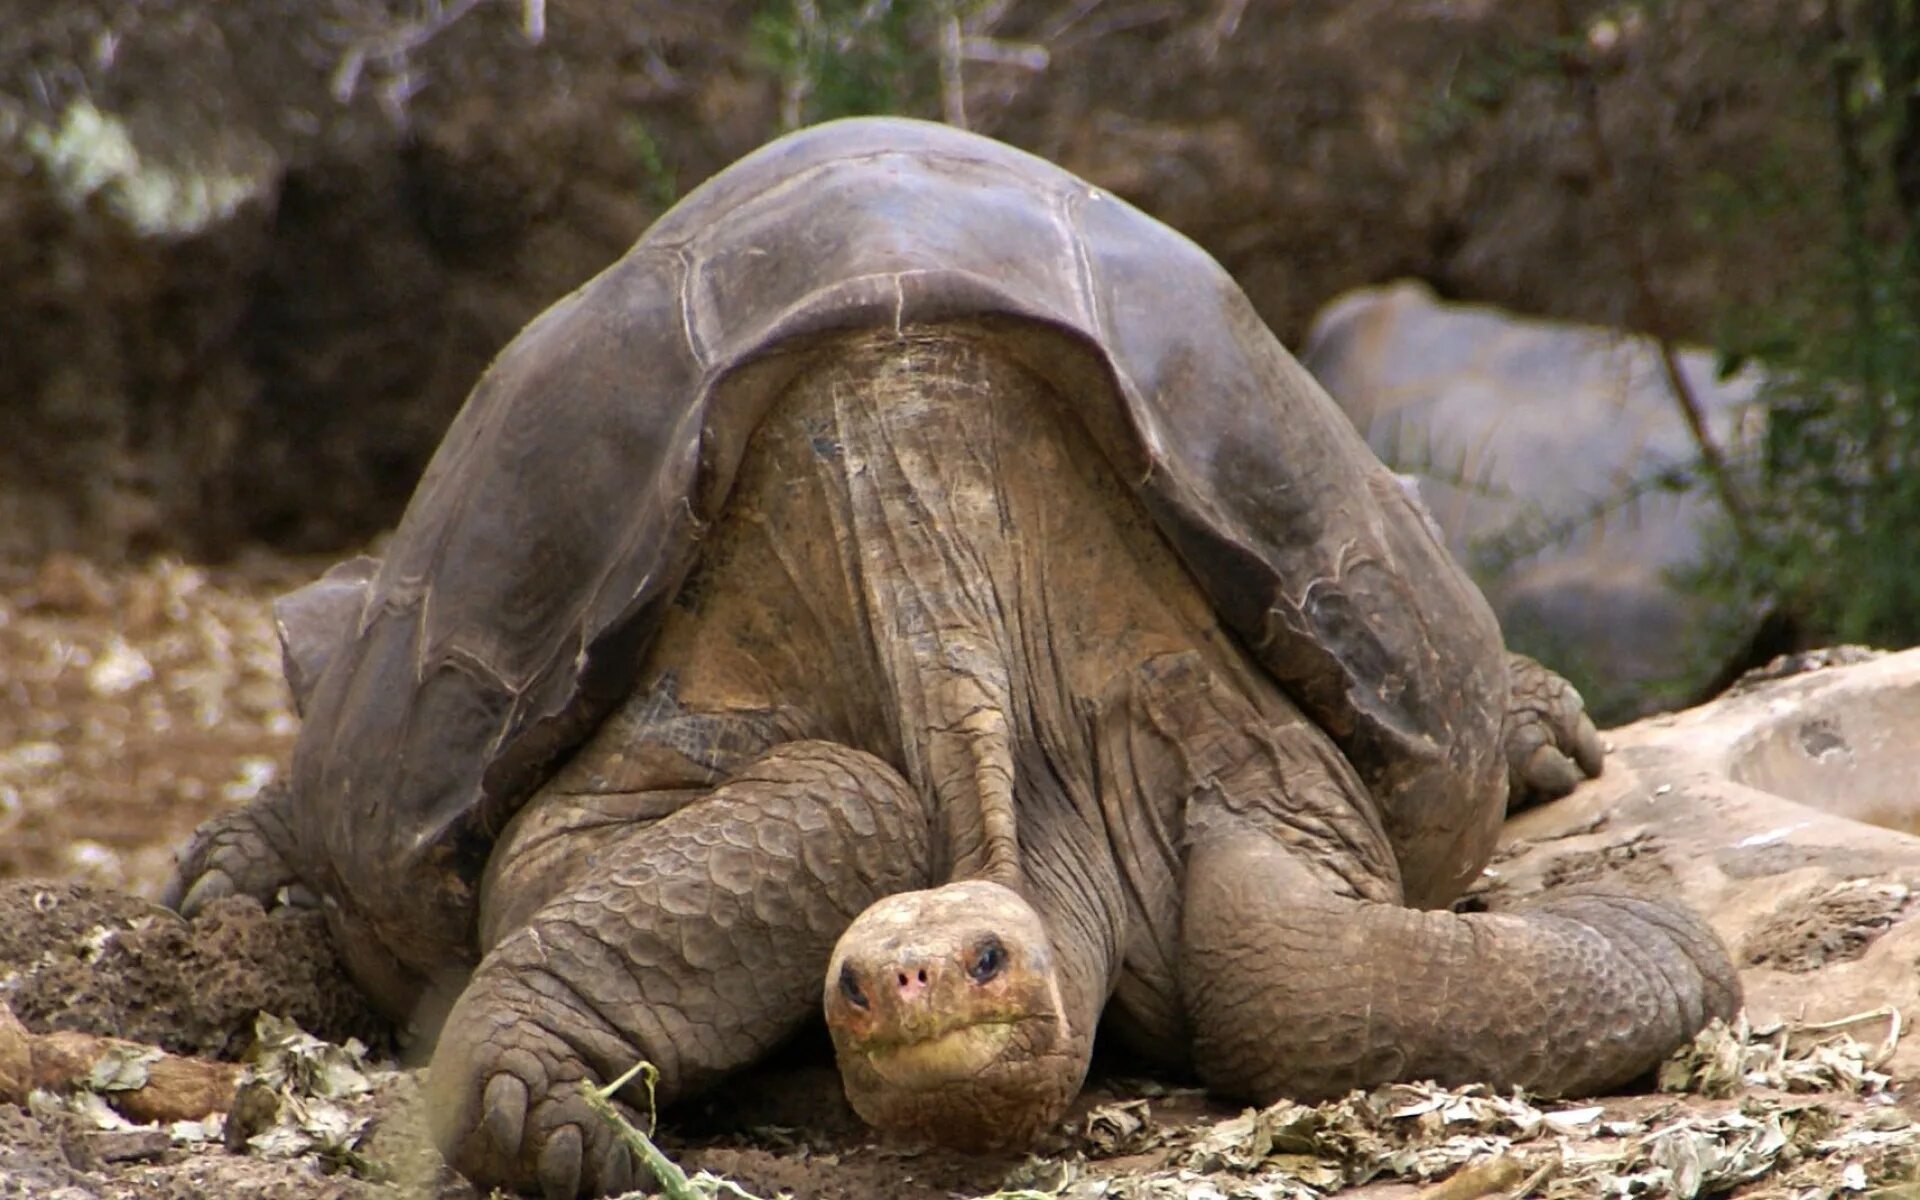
pixel 1071 882
pixel 976 523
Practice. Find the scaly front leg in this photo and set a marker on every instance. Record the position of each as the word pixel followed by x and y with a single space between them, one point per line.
pixel 1550 742
pixel 242 852
pixel 697 944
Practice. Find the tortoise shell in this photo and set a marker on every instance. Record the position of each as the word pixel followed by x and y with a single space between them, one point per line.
pixel 568 500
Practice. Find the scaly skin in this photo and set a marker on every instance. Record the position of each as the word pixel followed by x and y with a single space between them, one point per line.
pixel 1551 744
pixel 235 853
pixel 931 612
pixel 694 942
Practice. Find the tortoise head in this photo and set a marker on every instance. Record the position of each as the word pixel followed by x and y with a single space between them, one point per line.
pixel 946 1015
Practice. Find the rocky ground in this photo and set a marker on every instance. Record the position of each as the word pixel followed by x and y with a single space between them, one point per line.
pixel 134 702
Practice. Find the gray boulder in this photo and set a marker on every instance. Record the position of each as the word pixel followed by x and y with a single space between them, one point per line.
pixel 1560 469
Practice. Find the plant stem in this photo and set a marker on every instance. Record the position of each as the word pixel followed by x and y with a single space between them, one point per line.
pixel 672 1180
pixel 953 87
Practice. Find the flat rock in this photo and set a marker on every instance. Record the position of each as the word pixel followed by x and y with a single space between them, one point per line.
pixel 1785 813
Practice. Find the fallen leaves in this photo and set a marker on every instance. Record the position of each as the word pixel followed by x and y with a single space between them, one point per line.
pixel 293 1099
pixel 1776 1132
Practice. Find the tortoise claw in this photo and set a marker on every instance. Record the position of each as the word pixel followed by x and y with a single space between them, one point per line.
pixel 214 885
pixel 560 1163
pixel 504 1110
pixel 1548 772
pixel 618 1172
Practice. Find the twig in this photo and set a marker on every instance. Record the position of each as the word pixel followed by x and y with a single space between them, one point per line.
pixel 1489 1178
pixel 953 87
pixel 1221 28
pixel 650 1076
pixel 1788 1030
pixel 1025 55
pixel 391 44
pixel 140 1081
pixel 798 84
pixel 1540 1176
pixel 673 1182
pixel 1653 313
pixel 1843 70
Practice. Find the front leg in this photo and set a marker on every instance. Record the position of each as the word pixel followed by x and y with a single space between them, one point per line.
pixel 1294 990
pixel 698 943
pixel 241 852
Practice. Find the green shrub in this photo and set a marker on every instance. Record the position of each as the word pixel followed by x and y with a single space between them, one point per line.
pixel 1832 539
pixel 845 58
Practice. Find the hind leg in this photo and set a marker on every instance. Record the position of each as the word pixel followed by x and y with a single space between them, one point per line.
pixel 696 942
pixel 1299 983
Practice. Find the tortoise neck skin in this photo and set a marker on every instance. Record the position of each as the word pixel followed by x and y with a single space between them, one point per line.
pixel 965 1014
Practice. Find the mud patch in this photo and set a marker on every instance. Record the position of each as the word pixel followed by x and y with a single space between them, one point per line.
pixel 33 1158
pixel 1826 925
pixel 1637 861
pixel 78 957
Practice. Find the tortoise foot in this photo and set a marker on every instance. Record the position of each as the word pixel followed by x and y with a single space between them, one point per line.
pixel 697 944
pixel 238 854
pixel 507 1107
pixel 1551 743
pixel 1574 994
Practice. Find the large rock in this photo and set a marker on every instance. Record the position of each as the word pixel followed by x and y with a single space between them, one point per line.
pixel 1785 813
pixel 1558 464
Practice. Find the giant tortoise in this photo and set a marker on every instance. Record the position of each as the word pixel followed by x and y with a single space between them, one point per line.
pixel 915 575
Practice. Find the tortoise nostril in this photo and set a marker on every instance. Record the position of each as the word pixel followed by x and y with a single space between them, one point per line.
pixel 923 974
pixel 903 979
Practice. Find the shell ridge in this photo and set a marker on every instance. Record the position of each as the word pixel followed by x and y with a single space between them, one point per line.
pixel 689 314
pixel 1067 202
pixel 937 224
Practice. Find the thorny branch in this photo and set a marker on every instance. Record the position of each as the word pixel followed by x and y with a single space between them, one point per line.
pixel 1653 314
pixel 963 35
pixel 371 35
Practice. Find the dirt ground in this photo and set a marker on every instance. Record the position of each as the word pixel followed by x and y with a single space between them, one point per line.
pixel 135 702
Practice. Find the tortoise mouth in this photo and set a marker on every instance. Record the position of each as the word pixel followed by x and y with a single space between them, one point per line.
pixel 958 1053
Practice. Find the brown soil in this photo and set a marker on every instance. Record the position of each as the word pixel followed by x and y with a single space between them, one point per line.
pixel 1833 924
pixel 1633 862
pixel 136 702
pixel 80 957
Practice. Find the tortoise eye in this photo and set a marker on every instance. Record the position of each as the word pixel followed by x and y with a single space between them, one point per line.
pixel 850 987
pixel 988 961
